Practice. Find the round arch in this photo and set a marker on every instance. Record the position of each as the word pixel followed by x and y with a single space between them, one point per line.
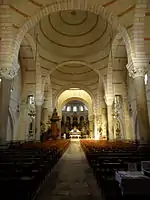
pixel 74 94
pixel 74 86
pixel 72 99
pixel 70 62
pixel 85 5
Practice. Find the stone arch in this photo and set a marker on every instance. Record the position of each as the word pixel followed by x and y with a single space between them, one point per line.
pixel 64 96
pixel 77 98
pixel 85 5
pixel 69 62
pixel 113 49
pixel 36 57
pixel 74 86
pixel 32 43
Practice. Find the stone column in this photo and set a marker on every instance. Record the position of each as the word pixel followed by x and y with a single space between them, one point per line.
pixel 142 110
pixel 33 125
pixel 23 121
pixel 104 122
pixel 38 119
pixel 126 118
pixel 6 68
pixel 59 127
pixel 5 92
pixel 109 102
pixel 137 70
pixel 91 126
pixel 44 116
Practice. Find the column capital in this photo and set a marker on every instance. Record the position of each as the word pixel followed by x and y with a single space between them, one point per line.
pixel 9 73
pixel 137 68
pixel 109 99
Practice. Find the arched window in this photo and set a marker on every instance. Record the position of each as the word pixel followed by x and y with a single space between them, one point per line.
pixel 31 99
pixel 74 108
pixel 81 108
pixel 64 108
pixel 85 108
pixel 146 79
pixel 68 108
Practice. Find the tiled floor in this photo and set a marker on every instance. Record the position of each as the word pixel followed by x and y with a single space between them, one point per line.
pixel 71 178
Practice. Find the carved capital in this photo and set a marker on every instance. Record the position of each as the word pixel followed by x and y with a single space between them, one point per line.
pixel 9 73
pixel 137 68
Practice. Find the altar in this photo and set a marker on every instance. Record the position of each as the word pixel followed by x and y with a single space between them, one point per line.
pixel 75 133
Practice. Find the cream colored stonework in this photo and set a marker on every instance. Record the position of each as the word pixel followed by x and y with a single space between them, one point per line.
pixel 98 47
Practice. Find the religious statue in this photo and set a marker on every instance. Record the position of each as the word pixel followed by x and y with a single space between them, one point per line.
pixel 118 130
pixel 55 114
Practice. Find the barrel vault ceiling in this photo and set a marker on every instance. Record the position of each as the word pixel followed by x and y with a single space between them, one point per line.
pixel 79 39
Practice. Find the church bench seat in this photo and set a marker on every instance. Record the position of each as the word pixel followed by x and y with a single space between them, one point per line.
pixel 107 158
pixel 34 161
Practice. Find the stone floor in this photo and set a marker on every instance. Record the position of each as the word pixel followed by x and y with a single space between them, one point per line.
pixel 71 178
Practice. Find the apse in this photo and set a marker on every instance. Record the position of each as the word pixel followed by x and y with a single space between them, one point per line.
pixel 75 121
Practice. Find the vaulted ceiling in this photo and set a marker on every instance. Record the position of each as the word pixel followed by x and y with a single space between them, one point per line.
pixel 73 35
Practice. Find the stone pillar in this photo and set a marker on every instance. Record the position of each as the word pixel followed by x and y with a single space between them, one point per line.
pixel 5 92
pixel 142 110
pixel 109 102
pixel 104 122
pixel 137 70
pixel 59 127
pixel 38 122
pixel 44 117
pixel 6 68
pixel 91 126
pixel 38 119
pixel 91 129
pixel 23 121
pixel 127 125
pixel 6 40
pixel 33 125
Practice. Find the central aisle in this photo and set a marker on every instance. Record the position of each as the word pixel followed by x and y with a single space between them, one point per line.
pixel 71 178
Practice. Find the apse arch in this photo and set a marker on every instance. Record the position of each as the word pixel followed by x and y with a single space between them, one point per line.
pixel 81 95
pixel 72 99
pixel 74 85
pixel 84 5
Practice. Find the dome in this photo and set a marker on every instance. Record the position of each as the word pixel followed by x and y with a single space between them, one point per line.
pixel 73 33
pixel 75 106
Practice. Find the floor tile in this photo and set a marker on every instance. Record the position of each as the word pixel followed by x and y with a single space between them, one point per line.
pixel 71 178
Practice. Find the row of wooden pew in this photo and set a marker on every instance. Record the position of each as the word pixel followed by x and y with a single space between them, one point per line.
pixel 108 157
pixel 25 166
